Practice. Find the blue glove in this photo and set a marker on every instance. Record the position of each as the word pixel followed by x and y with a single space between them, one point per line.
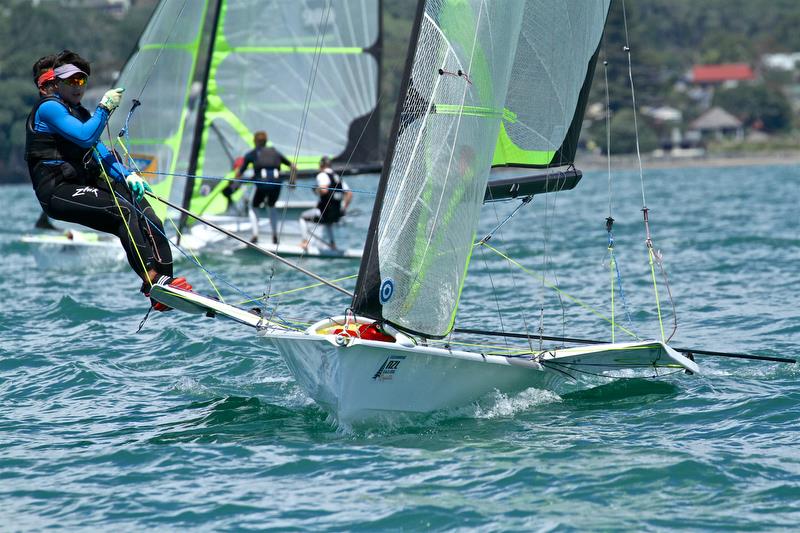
pixel 137 185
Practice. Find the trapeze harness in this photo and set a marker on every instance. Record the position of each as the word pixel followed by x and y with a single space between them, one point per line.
pixel 52 159
pixel 266 165
pixel 330 202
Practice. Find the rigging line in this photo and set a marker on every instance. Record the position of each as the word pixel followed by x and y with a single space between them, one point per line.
pixel 252 245
pixel 207 272
pixel 161 48
pixel 557 289
pixel 488 236
pixel 627 50
pixel 494 293
pixel 196 260
pixel 652 255
pixel 235 180
pixel 323 28
pixel 177 229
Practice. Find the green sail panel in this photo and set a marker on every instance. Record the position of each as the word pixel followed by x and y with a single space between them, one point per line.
pixel 159 74
pixel 307 73
pixel 550 82
pixel 429 198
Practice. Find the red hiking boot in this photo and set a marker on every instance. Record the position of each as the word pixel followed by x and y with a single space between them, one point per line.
pixel 166 281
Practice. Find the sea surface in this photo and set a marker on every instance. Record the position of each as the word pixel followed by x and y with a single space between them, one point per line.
pixel 192 424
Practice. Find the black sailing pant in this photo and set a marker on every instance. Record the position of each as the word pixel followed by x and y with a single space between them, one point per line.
pixel 94 207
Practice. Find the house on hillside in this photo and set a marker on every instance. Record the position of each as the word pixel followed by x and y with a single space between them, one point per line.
pixel 702 80
pixel 716 123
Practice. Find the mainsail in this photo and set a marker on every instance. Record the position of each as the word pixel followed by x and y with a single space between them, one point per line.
pixel 306 72
pixel 464 89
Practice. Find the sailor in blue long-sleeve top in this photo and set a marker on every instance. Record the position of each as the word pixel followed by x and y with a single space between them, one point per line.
pixel 65 155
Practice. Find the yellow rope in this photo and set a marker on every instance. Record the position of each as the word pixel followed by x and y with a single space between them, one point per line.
pixel 197 260
pixel 297 289
pixel 553 287
pixel 127 227
pixel 124 148
pixel 611 269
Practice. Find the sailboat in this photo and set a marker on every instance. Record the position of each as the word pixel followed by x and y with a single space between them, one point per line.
pixel 486 84
pixel 209 73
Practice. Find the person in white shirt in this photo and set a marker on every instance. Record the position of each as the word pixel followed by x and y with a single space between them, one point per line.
pixel 334 199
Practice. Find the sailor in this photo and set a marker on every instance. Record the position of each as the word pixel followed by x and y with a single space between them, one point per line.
pixel 334 199
pixel 266 161
pixel 66 160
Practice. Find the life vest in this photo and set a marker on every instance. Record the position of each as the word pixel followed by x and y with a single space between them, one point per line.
pixel 330 203
pixel 42 146
pixel 266 165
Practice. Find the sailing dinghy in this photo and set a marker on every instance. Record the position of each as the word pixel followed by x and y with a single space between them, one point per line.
pixel 486 83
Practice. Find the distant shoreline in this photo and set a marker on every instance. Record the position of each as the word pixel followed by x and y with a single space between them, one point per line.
pixel 629 161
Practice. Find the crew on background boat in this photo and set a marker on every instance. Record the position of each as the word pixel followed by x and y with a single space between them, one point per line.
pixel 67 164
pixel 266 161
pixel 334 199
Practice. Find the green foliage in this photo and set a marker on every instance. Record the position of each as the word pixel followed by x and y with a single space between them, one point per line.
pixel 623 134
pixel 30 32
pixel 757 105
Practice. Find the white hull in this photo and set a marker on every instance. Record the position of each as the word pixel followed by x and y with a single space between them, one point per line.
pixel 365 378
pixel 73 250
pixel 206 239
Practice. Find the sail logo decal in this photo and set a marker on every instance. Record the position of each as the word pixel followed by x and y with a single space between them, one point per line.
pixel 387 290
pixel 388 368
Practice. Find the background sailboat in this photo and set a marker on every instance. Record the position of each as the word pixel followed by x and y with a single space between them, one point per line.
pixel 211 73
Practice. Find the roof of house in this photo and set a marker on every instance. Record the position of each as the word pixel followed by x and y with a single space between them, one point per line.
pixel 715 118
pixel 721 73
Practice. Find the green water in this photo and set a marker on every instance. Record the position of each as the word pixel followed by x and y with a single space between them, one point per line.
pixel 193 425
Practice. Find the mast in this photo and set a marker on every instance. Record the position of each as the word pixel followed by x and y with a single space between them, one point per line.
pixel 365 300
pixel 197 135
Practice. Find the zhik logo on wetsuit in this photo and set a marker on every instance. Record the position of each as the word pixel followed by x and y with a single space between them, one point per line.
pixel 85 190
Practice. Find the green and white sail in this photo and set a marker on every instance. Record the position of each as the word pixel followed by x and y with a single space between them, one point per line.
pixel 305 72
pixel 478 71
pixel 159 74
pixel 550 82
pixel 432 187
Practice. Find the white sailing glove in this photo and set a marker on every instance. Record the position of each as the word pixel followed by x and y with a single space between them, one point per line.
pixel 112 98
pixel 137 185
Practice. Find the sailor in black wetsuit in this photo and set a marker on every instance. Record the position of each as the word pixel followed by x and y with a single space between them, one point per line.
pixel 266 161
pixel 334 199
pixel 66 160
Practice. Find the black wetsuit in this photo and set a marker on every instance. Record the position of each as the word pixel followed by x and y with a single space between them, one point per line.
pixel 69 185
pixel 266 161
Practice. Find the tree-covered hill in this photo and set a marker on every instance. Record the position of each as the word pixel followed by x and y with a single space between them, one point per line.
pixel 667 37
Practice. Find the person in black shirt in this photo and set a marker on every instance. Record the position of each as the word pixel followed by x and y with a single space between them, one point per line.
pixel 266 161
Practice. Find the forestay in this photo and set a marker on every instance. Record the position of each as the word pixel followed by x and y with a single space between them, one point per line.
pixel 431 190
